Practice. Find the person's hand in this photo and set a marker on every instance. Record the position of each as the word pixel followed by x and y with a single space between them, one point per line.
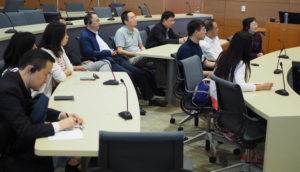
pixel 113 52
pixel 79 68
pixel 67 123
pixel 78 119
pixel 142 49
pixel 260 54
pixel 84 62
pixel 267 86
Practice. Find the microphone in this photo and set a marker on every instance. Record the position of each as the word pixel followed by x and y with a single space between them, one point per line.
pixel 189 14
pixel 67 22
pixel 284 55
pixel 111 81
pixel 87 10
pixel 147 16
pixel 40 4
pixel 13 30
pixel 181 36
pixel 278 71
pixel 125 114
pixel 282 92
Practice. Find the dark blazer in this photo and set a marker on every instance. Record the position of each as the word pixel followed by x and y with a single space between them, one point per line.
pixel 158 35
pixel 15 103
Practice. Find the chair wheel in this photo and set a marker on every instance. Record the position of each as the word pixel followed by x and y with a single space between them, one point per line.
pixel 220 142
pixel 172 120
pixel 185 138
pixel 212 159
pixel 237 151
pixel 180 129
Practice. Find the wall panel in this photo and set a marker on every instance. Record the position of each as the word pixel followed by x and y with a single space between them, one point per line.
pixel 217 8
pixel 180 6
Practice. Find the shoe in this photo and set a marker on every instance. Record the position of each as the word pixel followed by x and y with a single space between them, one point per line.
pixel 157 102
pixel 228 136
pixel 253 158
pixel 70 168
pixel 160 92
pixel 142 111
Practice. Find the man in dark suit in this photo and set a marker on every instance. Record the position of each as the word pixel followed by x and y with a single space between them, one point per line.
pixel 15 110
pixel 162 33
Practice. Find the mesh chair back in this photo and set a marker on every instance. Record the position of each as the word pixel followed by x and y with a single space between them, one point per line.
pixel 103 12
pixel 113 6
pixel 180 86
pixel 17 18
pixel 2 63
pixel 119 11
pixel 74 7
pixel 112 39
pixel 12 6
pixel 144 36
pixel 147 152
pixel 143 10
pixel 48 7
pixel 34 16
pixel 26 8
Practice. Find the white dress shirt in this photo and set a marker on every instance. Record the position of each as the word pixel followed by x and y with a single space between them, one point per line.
pixel 101 43
pixel 211 48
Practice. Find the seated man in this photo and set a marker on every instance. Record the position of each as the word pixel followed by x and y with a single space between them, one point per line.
pixel 128 42
pixel 75 59
pixel 162 32
pixel 94 45
pixel 196 32
pixel 211 46
pixel 15 119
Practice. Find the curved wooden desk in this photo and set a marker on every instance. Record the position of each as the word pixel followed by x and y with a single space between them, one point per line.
pixel 282 112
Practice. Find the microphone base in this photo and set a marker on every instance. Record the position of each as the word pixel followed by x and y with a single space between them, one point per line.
pixel 283 56
pixel 148 16
pixel 111 18
pixel 111 82
pixel 69 23
pixel 11 31
pixel 125 115
pixel 277 71
pixel 282 92
pixel 189 14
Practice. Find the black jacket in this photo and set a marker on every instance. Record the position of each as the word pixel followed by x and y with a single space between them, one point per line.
pixel 15 101
pixel 157 36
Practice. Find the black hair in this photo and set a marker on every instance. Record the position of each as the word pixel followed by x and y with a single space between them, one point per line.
pixel 209 24
pixel 52 37
pixel 18 45
pixel 37 58
pixel 195 24
pixel 166 15
pixel 56 19
pixel 88 18
pixel 124 16
pixel 238 50
pixel 247 22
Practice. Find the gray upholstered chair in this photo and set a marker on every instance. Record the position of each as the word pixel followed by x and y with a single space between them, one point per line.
pixel 119 11
pixel 229 38
pixel 143 10
pixel 103 12
pixel 144 36
pixel 26 8
pixel 149 28
pixel 12 6
pixel 48 7
pixel 141 151
pixel 17 18
pixel 74 7
pixel 2 63
pixel 113 6
pixel 34 16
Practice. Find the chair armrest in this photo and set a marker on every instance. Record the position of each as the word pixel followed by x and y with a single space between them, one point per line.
pixel 196 91
pixel 255 119
pixel 180 79
pixel 88 58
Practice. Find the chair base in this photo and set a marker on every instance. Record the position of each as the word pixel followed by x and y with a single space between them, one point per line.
pixel 240 167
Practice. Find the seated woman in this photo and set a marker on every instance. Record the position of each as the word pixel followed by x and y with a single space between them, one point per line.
pixel 233 65
pixel 250 25
pixel 19 44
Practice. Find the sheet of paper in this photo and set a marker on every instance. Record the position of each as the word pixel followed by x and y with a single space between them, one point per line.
pixel 74 134
pixel 273 88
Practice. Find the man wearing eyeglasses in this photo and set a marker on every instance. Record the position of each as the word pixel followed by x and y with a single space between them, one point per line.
pixel 162 33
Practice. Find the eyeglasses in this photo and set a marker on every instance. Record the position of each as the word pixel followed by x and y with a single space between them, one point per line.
pixel 132 18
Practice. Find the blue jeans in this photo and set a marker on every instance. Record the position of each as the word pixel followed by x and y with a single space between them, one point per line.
pixel 59 160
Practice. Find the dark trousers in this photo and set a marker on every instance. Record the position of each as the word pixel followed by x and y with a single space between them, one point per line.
pixel 136 76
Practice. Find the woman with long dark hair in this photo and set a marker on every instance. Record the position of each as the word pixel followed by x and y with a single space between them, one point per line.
pixel 19 44
pixel 250 25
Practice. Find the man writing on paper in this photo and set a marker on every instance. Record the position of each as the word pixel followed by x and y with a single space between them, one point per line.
pixel 15 115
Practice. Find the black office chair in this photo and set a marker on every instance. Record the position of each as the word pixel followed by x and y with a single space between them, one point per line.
pixel 48 7
pixel 113 6
pixel 12 6
pixel 193 74
pixel 229 38
pixel 83 58
pixel 143 10
pixel 142 152
pixel 247 130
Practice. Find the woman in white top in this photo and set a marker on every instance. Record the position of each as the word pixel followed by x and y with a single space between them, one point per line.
pixel 233 65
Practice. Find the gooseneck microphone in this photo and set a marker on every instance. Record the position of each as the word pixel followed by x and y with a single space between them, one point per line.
pixel 13 30
pixel 125 114
pixel 283 91
pixel 147 16
pixel 190 13
pixel 87 10
pixel 283 55
pixel 111 81
pixel 278 71
pixel 67 22
pixel 181 36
